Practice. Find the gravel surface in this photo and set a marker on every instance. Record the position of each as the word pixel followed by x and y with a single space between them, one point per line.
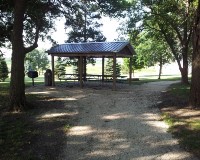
pixel 118 125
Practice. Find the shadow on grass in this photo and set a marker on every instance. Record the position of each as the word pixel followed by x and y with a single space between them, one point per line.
pixel 39 133
pixel 183 120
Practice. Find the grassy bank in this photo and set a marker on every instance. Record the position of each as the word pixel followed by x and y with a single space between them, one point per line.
pixel 183 120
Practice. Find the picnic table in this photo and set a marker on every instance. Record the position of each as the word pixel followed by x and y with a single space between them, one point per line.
pixel 76 77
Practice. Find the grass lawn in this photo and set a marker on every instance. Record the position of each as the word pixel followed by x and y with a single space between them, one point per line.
pixel 183 120
pixel 20 133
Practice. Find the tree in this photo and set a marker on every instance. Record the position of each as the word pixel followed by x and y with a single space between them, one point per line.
pixel 28 20
pixel 172 20
pixel 60 67
pixel 137 64
pixel 195 85
pixel 3 69
pixel 152 50
pixel 22 23
pixel 85 27
pixel 109 67
pixel 37 60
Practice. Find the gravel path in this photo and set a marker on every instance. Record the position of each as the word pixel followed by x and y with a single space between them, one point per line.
pixel 118 125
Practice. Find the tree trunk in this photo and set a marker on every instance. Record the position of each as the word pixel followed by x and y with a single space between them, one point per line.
pixel 185 45
pixel 185 48
pixel 184 69
pixel 184 73
pixel 160 68
pixel 195 85
pixel 17 87
pixel 133 73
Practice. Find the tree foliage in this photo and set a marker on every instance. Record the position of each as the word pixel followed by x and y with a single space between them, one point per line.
pixel 37 60
pixel 109 67
pixel 3 69
pixel 152 50
pixel 85 26
pixel 171 20
pixel 137 63
pixel 60 67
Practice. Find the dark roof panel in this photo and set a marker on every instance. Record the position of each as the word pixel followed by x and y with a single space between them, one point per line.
pixel 91 47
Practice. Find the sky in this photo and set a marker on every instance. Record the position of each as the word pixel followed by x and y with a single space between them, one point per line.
pixel 108 29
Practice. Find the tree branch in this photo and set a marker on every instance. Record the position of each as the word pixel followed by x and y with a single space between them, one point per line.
pixel 177 32
pixel 35 45
pixel 170 22
pixel 153 28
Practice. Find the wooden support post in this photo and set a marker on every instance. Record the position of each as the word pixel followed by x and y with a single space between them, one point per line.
pixel 130 71
pixel 114 72
pixel 103 62
pixel 81 71
pixel 53 74
pixel 84 68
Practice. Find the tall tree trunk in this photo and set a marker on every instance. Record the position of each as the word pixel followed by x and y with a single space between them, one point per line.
pixel 195 85
pixel 133 73
pixel 17 88
pixel 184 70
pixel 160 68
pixel 185 43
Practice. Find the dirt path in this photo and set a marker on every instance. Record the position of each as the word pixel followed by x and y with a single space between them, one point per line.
pixel 117 125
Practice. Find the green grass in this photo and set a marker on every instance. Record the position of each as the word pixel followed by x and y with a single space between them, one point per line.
pixel 67 127
pixel 14 127
pixel 186 129
pixel 154 79
pixel 180 90
pixel 188 132
pixel 13 131
pixel 18 130
pixel 169 120
pixel 4 91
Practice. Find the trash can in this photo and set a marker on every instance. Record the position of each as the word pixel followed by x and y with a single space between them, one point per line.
pixel 48 77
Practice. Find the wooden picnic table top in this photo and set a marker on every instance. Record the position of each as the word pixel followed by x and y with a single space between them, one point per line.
pixel 97 75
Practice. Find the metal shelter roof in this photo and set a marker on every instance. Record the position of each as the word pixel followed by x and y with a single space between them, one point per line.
pixel 93 49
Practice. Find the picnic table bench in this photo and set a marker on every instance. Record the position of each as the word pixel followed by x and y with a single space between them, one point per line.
pixel 72 77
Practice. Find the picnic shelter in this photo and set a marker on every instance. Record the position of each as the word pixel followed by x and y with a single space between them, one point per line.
pixel 117 49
